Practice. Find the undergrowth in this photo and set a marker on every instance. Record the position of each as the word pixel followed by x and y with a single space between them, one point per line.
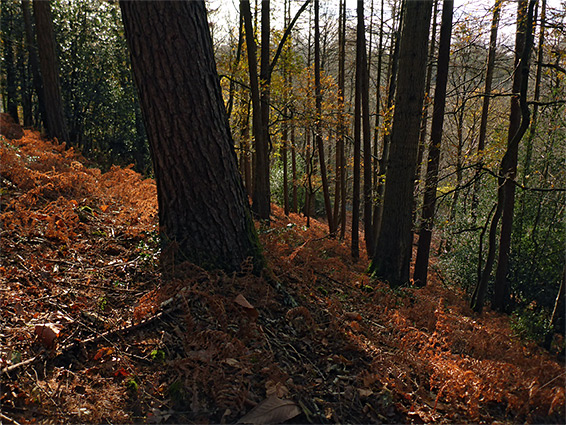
pixel 80 253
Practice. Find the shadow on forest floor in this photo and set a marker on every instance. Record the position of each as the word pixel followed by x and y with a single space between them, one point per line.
pixel 90 332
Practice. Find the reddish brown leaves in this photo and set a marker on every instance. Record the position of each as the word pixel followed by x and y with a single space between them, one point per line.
pixel 47 334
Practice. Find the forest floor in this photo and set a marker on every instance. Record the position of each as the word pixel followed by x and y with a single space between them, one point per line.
pixel 90 332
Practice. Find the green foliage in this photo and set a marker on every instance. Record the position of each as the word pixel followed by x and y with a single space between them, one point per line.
pixel 530 323
pixel 100 97
pixel 102 303
pixel 157 355
pixel 132 384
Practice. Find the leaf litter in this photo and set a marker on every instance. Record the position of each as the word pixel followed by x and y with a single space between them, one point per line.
pixel 91 333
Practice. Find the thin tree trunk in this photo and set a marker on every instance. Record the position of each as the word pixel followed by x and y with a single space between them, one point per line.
pixel 261 199
pixel 485 105
pixel 428 98
pixel 295 198
pixel 364 87
pixel 235 67
pixel 429 203
pixel 534 118
pixel 355 248
pixel 245 146
pixel 557 322
pixel 340 128
pixel 56 123
pixel 284 160
pixel 459 163
pixel 318 101
pixel 33 60
pixel 377 124
pixel 519 122
pixel 285 125
pixel 10 64
pixel 340 193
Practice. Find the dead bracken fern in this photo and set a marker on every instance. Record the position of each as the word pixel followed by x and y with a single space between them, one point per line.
pixel 206 347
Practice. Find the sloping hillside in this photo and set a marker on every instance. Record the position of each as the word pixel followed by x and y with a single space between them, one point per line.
pixel 90 332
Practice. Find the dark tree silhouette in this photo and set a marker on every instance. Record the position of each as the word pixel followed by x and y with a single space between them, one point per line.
pixel 204 216
pixel 56 124
pixel 393 249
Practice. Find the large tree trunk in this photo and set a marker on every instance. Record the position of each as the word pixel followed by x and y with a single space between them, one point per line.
pixel 429 203
pixel 393 250
pixel 203 212
pixel 56 125
pixel 391 90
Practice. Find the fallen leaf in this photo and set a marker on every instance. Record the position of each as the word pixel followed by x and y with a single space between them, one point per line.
pixel 122 372
pixel 47 333
pixel 272 410
pixel 250 309
pixel 276 388
pixel 231 362
pixel 104 351
pixel 352 315
pixel 355 326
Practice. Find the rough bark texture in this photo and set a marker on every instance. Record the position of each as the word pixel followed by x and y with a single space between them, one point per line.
pixel 203 212
pixel 429 203
pixel 391 90
pixel 393 249
pixel 56 125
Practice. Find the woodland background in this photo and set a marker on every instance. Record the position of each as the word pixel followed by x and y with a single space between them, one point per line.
pixel 70 209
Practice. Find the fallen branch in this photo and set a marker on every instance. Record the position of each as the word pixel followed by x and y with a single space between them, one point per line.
pixel 9 419
pixel 91 340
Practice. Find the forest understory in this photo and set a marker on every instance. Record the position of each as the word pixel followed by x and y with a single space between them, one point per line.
pixel 92 332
